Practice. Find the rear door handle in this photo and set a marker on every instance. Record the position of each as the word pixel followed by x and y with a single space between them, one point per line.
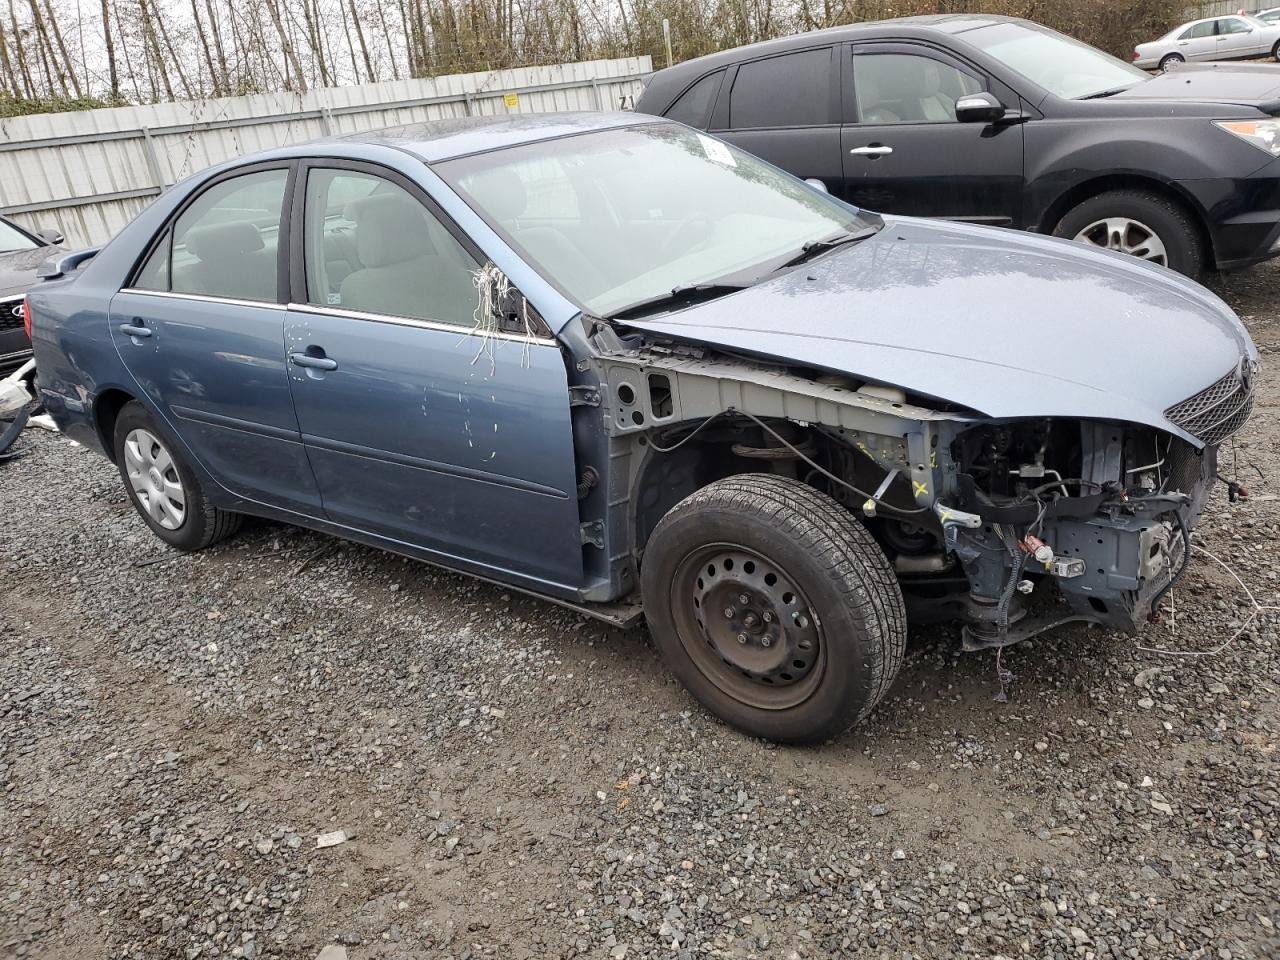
pixel 315 363
pixel 135 329
pixel 878 151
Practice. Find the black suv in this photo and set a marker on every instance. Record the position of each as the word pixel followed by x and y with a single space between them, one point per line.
pixel 21 252
pixel 1002 121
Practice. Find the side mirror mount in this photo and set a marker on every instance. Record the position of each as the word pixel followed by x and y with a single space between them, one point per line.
pixel 51 237
pixel 979 108
pixel 817 184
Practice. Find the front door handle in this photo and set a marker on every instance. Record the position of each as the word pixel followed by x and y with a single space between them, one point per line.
pixel 315 363
pixel 872 151
pixel 135 329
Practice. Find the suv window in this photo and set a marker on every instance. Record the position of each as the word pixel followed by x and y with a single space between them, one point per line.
pixel 372 247
pixel 906 88
pixel 787 91
pixel 1199 31
pixel 224 244
pixel 692 106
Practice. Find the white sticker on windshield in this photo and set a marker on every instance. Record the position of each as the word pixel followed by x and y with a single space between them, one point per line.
pixel 717 151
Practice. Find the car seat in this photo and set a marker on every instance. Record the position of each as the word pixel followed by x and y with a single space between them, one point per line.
pixel 231 261
pixel 402 270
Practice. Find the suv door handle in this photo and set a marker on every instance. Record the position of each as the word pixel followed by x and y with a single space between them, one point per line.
pixel 876 151
pixel 315 363
pixel 135 329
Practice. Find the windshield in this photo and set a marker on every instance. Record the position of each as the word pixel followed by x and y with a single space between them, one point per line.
pixel 1065 67
pixel 11 238
pixel 618 217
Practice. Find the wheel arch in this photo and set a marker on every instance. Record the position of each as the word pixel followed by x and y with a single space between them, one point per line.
pixel 106 410
pixel 1096 186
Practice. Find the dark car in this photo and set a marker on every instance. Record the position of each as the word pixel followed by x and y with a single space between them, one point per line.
pixel 21 252
pixel 1002 121
pixel 615 362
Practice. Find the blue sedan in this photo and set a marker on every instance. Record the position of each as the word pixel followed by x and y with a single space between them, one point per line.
pixel 617 363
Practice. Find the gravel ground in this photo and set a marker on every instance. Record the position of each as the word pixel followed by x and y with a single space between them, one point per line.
pixel 514 781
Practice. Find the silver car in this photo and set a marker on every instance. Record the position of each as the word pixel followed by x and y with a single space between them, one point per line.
pixel 1270 17
pixel 1237 37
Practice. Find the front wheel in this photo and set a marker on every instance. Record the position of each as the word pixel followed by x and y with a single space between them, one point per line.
pixel 1275 51
pixel 163 488
pixel 774 607
pixel 1141 224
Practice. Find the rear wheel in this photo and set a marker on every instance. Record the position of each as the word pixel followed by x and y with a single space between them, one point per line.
pixel 1169 60
pixel 774 607
pixel 1141 224
pixel 163 488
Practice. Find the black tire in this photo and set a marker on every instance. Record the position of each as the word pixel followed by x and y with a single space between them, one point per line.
pixel 1167 220
pixel 201 524
pixel 844 627
pixel 1275 52
pixel 1171 58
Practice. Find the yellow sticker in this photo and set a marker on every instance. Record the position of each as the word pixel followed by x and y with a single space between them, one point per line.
pixel 933 459
pixel 920 489
pixel 512 100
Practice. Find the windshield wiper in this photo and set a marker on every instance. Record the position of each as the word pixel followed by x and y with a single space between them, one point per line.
pixel 815 247
pixel 1110 92
pixel 680 294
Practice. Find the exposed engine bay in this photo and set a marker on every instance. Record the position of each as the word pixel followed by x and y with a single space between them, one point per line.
pixel 1012 527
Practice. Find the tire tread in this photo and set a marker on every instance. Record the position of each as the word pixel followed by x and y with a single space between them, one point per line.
pixel 845 551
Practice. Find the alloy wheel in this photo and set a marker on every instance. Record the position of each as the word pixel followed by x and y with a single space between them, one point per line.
pixel 154 478
pixel 747 626
pixel 1126 235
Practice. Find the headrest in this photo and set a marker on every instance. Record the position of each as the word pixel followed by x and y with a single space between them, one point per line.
pixel 390 228
pixel 499 191
pixel 223 241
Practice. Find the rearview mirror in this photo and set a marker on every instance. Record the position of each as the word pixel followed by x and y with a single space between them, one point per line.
pixel 979 108
pixel 816 184
pixel 51 237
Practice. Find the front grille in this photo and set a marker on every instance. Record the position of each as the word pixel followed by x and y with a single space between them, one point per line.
pixel 10 314
pixel 1217 411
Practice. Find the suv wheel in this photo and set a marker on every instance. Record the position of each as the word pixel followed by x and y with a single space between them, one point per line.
pixel 163 488
pixel 1140 224
pixel 774 607
pixel 1169 60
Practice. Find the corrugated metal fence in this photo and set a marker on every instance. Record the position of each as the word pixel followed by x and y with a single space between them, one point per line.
pixel 88 173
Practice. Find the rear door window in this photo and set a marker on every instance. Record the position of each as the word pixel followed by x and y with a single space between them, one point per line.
pixel 793 90
pixel 1199 31
pixel 225 243
pixel 694 104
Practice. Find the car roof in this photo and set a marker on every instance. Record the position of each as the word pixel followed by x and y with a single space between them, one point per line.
pixel 438 140
pixel 665 82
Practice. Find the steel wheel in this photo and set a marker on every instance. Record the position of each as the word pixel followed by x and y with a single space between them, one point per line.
pixel 747 626
pixel 154 478
pixel 1126 235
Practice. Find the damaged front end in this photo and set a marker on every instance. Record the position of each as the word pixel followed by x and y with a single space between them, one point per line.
pixel 1012 527
pixel 1060 521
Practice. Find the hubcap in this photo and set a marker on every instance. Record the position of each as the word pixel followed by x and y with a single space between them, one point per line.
pixel 154 479
pixel 1127 236
pixel 747 626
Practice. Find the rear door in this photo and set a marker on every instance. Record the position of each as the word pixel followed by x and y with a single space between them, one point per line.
pixel 201 329
pixel 423 425
pixel 905 152
pixel 1199 41
pixel 785 109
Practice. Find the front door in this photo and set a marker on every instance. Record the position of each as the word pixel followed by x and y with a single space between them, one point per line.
pixel 201 329
pixel 421 426
pixel 905 152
